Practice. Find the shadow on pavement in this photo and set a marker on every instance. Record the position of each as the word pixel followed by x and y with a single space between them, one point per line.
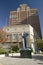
pixel 38 57
pixel 40 63
pixel 19 57
pixel 15 56
pixel 35 57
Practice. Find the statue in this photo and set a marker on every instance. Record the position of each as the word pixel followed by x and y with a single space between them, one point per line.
pixel 25 52
pixel 24 36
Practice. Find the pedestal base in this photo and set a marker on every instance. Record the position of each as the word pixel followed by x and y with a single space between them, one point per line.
pixel 25 53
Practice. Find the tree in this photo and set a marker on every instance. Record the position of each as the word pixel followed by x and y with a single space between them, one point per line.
pixel 3 36
pixel 40 44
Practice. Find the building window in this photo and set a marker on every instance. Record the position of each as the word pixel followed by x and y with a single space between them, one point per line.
pixel 8 29
pixel 13 16
pixel 9 36
pixel 23 8
pixel 15 36
pixel 34 14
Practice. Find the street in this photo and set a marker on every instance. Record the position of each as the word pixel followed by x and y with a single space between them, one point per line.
pixel 16 60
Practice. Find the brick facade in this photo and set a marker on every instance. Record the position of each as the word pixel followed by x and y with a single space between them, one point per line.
pixel 25 15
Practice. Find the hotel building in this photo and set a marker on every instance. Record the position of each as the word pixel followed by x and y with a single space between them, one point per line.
pixel 25 15
pixel 24 19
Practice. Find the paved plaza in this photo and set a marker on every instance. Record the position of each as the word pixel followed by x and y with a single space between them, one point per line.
pixel 16 60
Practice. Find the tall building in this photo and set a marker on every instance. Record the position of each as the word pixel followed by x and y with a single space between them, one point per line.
pixel 25 15
pixel 23 20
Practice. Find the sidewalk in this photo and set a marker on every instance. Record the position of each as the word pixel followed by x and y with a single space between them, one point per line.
pixel 1 64
pixel 36 59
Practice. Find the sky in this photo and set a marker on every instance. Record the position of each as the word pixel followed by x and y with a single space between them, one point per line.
pixel 10 5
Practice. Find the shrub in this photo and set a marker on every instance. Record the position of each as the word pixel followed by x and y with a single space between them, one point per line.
pixel 40 44
pixel 3 51
pixel 15 48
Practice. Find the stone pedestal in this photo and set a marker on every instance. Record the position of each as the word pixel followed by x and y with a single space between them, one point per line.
pixel 25 53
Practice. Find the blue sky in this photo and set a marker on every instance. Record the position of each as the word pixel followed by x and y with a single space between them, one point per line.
pixel 8 5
